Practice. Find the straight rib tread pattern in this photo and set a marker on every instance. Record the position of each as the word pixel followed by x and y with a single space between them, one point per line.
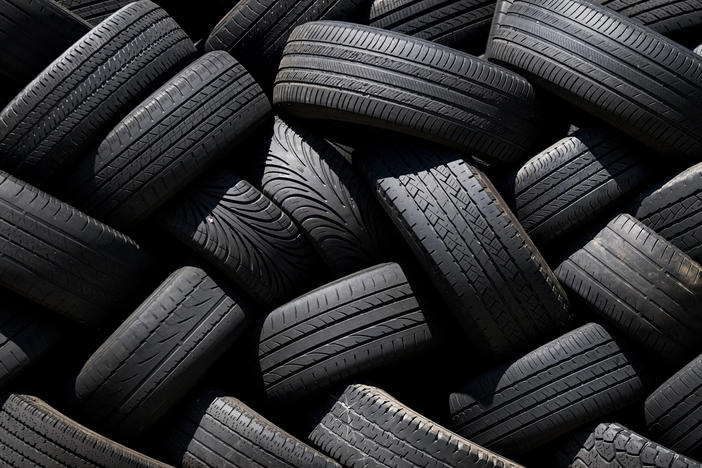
pixel 668 17
pixel 94 11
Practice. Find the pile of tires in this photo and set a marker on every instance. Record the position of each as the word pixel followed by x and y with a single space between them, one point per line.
pixel 351 233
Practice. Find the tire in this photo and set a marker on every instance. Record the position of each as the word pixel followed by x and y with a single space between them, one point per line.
pixel 94 12
pixel 64 260
pixel 70 106
pixel 222 431
pixel 674 211
pixel 235 227
pixel 573 181
pixel 642 285
pixel 698 50
pixel 159 352
pixel 169 139
pixel 674 409
pixel 357 74
pixel 670 18
pixel 366 427
pixel 461 24
pixel 33 33
pixel 611 445
pixel 320 191
pixel 470 244
pixel 572 380
pixel 363 321
pixel 255 31
pixel 574 49
pixel 34 434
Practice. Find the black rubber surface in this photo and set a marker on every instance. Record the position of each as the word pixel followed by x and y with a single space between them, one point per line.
pixel 94 11
pixel 72 104
pixel 576 378
pixel 677 18
pixel 470 244
pixel 175 135
pixel 642 285
pixel 359 74
pixel 159 352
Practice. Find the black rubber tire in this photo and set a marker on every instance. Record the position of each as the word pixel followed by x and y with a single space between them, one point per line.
pixel 168 140
pixel 674 211
pixel 366 427
pixel 677 18
pixel 33 33
pixel 698 49
pixel 34 434
pixel 313 184
pixel 94 11
pixel 573 181
pixel 237 229
pixel 360 322
pixel 641 284
pixel 218 430
pixel 467 240
pixel 461 24
pixel 255 31
pixel 68 108
pixel 161 351
pixel 60 258
pixel 674 409
pixel 572 380
pixel 358 74
pixel 625 74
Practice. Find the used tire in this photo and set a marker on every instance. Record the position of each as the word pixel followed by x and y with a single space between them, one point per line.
pixel 235 227
pixel 169 139
pixel 222 431
pixel 359 74
pixel 676 18
pixel 461 24
pixel 60 115
pixel 674 211
pixel 366 427
pixel 94 11
pixel 34 434
pixel 574 379
pixel 313 184
pixel 467 240
pixel 159 352
pixel 360 322
pixel 642 285
pixel 574 180
pixel 625 74
pixel 66 261
pixel 674 409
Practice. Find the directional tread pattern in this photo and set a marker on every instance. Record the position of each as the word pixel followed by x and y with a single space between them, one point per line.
pixel 94 11
pixel 389 80
pixel 568 382
pixel 70 106
pixel 468 241
pixel 159 352
pixel 168 140
pixel 668 17
pixel 238 229
pixel 359 322
pixel 641 284
pixel 367 428
pixel 631 77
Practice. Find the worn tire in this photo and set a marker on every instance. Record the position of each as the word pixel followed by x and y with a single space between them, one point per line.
pixel 235 227
pixel 218 430
pixel 674 211
pixel 576 179
pixel 169 139
pixel 66 261
pixel 674 409
pixel 159 352
pixel 34 434
pixel 572 380
pixel 642 285
pixel 574 49
pixel 366 427
pixel 363 321
pixel 70 106
pixel 470 244
pixel 313 184
pixel 94 11
pixel 461 24
pixel 360 74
